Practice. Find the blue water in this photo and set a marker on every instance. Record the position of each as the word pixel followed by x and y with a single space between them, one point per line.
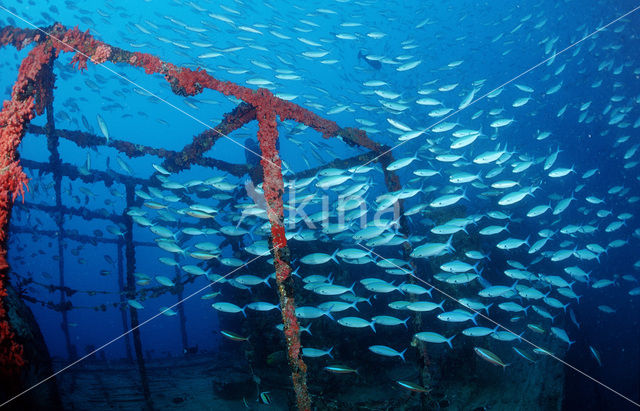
pixel 478 45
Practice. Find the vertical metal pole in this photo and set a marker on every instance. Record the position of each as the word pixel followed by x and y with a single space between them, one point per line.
pixel 123 302
pixel 15 116
pixel 273 190
pixel 181 314
pixel 54 160
pixel 130 254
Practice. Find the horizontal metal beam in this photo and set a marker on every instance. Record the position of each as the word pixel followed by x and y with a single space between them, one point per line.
pixel 83 212
pixel 72 172
pixel 176 160
pixel 81 238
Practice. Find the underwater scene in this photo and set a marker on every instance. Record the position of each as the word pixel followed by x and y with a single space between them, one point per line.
pixel 320 205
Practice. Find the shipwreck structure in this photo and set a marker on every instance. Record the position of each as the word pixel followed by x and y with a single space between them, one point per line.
pixel 25 366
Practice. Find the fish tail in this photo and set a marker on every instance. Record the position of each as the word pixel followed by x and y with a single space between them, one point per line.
pixel 328 314
pixel 251 230
pixel 475 267
pixel 449 244
pixel 307 329
pixel 333 256
pixel 486 308
pixel 449 341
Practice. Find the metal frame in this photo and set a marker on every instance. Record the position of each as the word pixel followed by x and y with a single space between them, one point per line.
pixel 33 93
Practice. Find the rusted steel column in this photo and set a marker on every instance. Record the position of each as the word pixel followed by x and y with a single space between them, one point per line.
pixel 130 257
pixel 273 190
pixel 181 314
pixel 123 300
pixel 27 99
pixel 54 161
